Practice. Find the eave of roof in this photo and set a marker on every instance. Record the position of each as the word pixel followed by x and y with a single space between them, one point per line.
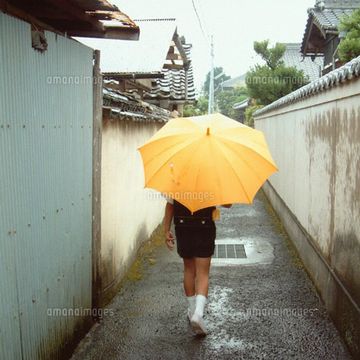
pixel 326 21
pixel 241 105
pixel 146 56
pixel 133 75
pixel 126 107
pixel 234 82
pixel 310 67
pixel 343 74
pixel 94 18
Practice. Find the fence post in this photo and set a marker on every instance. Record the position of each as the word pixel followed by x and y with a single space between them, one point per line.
pixel 96 181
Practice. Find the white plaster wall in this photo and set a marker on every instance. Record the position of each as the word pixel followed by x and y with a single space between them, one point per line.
pixel 316 145
pixel 129 212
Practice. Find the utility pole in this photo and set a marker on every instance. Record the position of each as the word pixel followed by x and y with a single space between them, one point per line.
pixel 211 84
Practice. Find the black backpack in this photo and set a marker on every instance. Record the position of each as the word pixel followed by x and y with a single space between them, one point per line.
pixel 184 218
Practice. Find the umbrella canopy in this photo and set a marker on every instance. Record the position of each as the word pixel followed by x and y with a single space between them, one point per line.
pixel 207 160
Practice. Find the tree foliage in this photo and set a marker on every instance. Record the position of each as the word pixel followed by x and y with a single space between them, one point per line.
pixel 269 82
pixel 226 100
pixel 199 108
pixel 271 56
pixel 349 47
pixel 217 71
pixel 249 114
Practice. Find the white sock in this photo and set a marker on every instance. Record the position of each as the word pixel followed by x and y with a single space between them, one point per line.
pixel 200 305
pixel 192 302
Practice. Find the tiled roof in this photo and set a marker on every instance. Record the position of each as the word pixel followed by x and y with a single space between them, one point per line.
pixel 173 86
pixel 127 107
pixel 234 82
pixel 147 55
pixel 327 18
pixel 332 79
pixel 242 105
pixel 293 57
pixel 338 4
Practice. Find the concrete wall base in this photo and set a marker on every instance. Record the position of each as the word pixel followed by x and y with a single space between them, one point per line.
pixel 134 264
pixel 341 306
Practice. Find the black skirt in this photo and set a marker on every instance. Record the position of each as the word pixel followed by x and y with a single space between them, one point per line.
pixel 195 241
pixel 195 233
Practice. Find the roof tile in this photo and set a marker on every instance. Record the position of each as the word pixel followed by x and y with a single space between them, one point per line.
pixel 330 80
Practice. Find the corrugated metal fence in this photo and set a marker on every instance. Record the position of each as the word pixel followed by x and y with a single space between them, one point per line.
pixel 45 194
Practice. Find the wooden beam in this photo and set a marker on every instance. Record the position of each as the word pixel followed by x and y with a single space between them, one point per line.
pixel 180 48
pixel 14 11
pixel 101 15
pixel 173 66
pixel 77 21
pixel 77 13
pixel 96 5
pixel 117 76
pixel 48 13
pixel 119 33
pixel 171 56
pixel 133 84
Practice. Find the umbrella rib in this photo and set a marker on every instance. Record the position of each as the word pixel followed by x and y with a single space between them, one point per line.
pixel 163 138
pixel 229 162
pixel 181 173
pixel 164 162
pixel 246 146
pixel 217 170
pixel 255 172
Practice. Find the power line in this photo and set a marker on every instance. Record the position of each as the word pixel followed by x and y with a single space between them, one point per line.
pixel 199 20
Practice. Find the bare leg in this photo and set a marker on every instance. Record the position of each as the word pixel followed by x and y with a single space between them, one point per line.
pixel 202 275
pixel 189 276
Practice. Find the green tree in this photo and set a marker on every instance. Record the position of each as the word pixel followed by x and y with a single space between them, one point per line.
pixel 199 108
pixel 349 47
pixel 226 99
pixel 249 114
pixel 269 82
pixel 217 71
pixel 272 56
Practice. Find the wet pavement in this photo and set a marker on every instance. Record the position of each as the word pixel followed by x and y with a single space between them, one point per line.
pixel 261 306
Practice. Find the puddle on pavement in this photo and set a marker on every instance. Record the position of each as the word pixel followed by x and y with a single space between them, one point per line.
pixel 248 211
pixel 220 312
pixel 258 251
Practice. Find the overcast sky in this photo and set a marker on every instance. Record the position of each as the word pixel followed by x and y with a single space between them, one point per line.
pixel 235 24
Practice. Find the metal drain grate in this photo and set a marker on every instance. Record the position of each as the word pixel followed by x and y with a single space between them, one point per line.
pixel 229 251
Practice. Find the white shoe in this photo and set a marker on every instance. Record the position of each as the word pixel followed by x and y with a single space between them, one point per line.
pixel 198 325
pixel 189 314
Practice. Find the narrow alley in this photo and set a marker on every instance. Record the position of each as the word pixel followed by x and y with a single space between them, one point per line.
pixel 262 304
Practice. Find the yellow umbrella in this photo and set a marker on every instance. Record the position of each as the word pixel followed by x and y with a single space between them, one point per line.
pixel 207 160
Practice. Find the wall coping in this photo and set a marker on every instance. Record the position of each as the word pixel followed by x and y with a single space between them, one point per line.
pixel 338 76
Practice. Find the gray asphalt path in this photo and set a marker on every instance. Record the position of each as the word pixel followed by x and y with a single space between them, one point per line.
pixel 265 307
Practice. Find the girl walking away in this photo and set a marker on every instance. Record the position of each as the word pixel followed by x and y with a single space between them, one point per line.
pixel 195 239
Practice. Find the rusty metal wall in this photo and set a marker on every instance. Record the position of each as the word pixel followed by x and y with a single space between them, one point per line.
pixel 45 194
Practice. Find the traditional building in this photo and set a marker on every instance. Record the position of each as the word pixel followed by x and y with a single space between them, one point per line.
pixel 312 67
pixel 240 108
pixel 233 83
pixel 157 68
pixel 119 105
pixel 322 35
pixel 94 18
